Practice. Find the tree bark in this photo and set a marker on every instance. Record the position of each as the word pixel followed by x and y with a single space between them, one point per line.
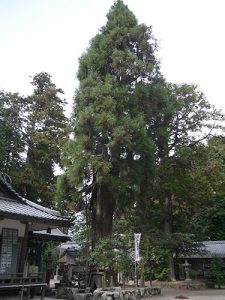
pixel 102 212
pixel 168 230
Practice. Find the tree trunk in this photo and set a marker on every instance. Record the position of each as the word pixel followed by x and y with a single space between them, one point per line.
pixel 102 212
pixel 168 230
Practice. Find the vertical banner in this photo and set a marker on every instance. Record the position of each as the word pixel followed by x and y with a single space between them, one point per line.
pixel 137 237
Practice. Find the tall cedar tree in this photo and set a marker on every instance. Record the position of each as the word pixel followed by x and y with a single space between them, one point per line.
pixel 111 149
pixel 46 133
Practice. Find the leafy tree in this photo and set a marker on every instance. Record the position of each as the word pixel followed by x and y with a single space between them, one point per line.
pixel 177 117
pixel 112 253
pixel 208 222
pixel 46 133
pixel 110 146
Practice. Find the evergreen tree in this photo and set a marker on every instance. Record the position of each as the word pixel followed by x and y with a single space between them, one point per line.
pixel 110 148
pixel 12 134
pixel 46 133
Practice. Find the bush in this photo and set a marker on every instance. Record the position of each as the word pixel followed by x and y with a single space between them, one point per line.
pixel 216 272
pixel 195 273
pixel 163 275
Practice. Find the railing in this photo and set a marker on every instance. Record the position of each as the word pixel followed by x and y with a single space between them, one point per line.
pixel 19 281
pixel 19 278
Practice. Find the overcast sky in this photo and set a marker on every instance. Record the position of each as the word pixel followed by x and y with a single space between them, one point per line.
pixel 50 36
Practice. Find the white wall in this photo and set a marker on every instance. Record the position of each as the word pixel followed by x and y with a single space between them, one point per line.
pixel 13 224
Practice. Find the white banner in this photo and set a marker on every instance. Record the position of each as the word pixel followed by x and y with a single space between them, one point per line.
pixel 137 237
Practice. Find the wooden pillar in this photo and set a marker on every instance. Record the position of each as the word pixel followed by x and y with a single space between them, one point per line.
pixel 38 255
pixel 23 251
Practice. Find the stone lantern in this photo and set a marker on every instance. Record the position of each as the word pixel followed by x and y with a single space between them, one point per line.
pixel 186 266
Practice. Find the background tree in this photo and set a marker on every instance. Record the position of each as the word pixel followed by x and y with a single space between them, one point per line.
pixel 46 133
pixel 33 130
pixel 208 222
pixel 12 135
pixel 177 117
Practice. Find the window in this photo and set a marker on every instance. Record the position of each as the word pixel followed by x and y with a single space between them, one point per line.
pixel 9 251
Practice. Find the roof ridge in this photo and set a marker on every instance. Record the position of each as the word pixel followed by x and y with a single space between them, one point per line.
pixel 19 199
pixel 43 208
pixel 9 186
pixel 9 199
pixel 214 242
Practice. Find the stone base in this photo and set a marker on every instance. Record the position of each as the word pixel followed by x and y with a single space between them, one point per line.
pixel 119 294
pixel 115 293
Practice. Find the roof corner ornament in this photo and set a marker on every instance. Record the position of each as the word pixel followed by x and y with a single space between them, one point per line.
pixel 5 177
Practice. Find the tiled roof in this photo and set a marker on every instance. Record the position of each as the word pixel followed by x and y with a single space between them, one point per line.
pixel 55 234
pixel 29 210
pixel 214 248
pixel 8 186
pixel 210 249
pixel 19 207
pixel 68 246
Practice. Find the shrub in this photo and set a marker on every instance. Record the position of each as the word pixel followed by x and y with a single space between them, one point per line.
pixel 216 271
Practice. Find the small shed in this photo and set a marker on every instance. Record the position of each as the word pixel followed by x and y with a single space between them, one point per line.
pixel 200 262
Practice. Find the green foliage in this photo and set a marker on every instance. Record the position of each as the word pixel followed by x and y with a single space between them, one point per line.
pixel 138 156
pixel 162 275
pixel 12 133
pixel 195 273
pixel 177 118
pixel 33 130
pixel 111 253
pixel 111 149
pixel 139 151
pixel 209 223
pixel 217 271
pixel 65 195
pixel 46 134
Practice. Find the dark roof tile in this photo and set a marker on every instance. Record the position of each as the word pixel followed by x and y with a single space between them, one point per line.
pixel 28 209
pixel 19 207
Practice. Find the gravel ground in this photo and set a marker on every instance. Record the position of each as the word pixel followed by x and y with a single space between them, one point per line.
pixel 205 294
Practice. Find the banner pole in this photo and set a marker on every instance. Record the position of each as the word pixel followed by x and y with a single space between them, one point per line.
pixel 137 237
pixel 135 274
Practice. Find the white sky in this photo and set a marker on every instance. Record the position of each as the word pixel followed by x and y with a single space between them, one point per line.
pixel 50 36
